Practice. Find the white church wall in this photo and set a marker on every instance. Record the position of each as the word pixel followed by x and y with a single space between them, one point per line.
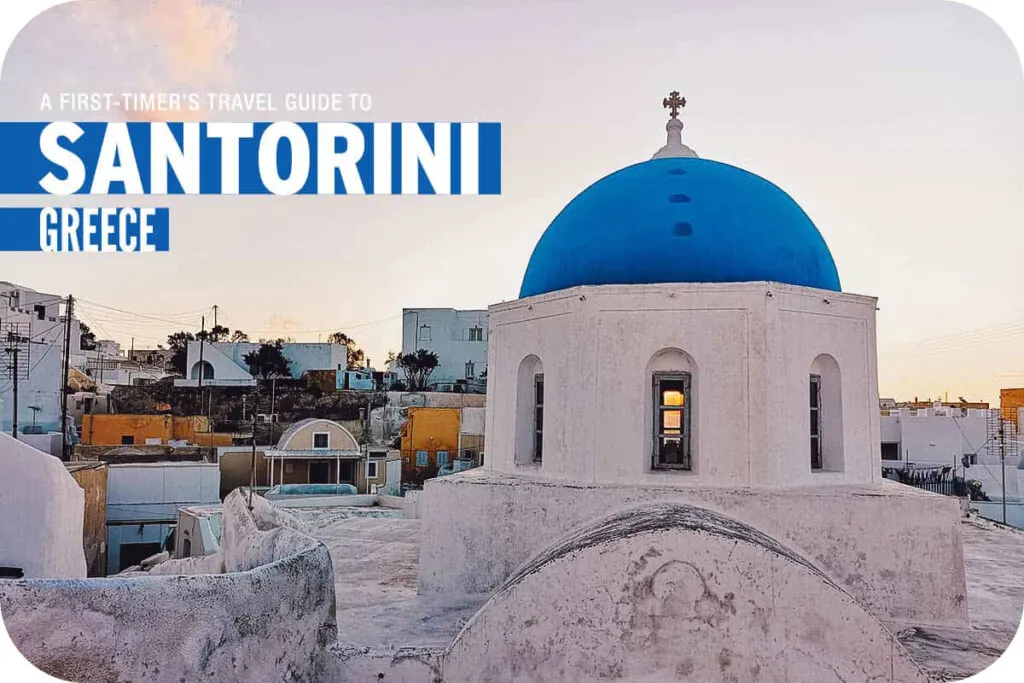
pixel 665 592
pixel 805 327
pixel 749 357
pixel 881 543
pixel 43 512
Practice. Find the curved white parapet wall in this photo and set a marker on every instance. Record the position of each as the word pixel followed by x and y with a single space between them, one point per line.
pixel 269 618
pixel 674 592
pixel 43 512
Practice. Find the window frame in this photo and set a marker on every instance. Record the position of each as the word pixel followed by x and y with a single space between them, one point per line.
pixel 537 454
pixel 422 458
pixel 321 448
pixel 686 424
pixel 375 472
pixel 814 416
pixel 439 455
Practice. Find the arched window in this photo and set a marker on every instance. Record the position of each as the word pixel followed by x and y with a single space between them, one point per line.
pixel 530 412
pixel 672 376
pixel 826 415
pixel 207 369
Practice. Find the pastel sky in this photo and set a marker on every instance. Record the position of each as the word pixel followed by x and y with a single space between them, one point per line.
pixel 898 125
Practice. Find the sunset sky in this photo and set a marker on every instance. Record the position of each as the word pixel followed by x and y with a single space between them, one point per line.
pixel 898 125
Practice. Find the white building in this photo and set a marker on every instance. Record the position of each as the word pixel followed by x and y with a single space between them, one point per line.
pixel 459 338
pixel 223 363
pixel 143 501
pixel 111 365
pixel 947 436
pixel 681 377
pixel 33 323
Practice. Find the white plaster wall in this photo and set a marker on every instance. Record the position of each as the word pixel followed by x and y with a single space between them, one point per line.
pixel 668 592
pixel 49 443
pixel 449 339
pixel 751 356
pixel 896 549
pixel 43 512
pixel 269 618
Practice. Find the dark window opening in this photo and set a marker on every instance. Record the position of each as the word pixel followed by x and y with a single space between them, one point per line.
pixel 132 554
pixel 815 405
pixel 538 418
pixel 319 473
pixel 890 451
pixel 321 440
pixel 40 312
pixel 127 440
pixel 672 407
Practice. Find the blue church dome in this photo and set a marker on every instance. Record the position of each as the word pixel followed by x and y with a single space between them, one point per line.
pixel 679 218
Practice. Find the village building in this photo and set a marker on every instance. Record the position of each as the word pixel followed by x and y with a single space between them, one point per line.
pixel 223 363
pixel 458 338
pixel 320 451
pixel 32 336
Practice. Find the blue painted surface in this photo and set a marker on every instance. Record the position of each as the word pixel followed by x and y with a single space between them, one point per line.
pixel 313 490
pixel 680 220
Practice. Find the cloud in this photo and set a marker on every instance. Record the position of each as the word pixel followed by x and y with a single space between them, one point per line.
pixel 279 323
pixel 165 45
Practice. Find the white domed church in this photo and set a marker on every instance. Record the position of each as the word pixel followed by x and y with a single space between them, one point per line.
pixel 683 438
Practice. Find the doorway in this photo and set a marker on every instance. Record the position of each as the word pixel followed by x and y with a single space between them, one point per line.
pixel 320 472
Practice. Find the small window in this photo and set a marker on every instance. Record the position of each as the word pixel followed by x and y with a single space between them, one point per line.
pixel 424 333
pixel 127 440
pixel 442 458
pixel 422 459
pixel 476 334
pixel 815 404
pixel 40 312
pixel 371 470
pixel 470 369
pixel 672 407
pixel 321 441
pixel 538 418
pixel 890 451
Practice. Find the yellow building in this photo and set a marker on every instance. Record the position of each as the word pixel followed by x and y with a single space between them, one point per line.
pixel 1010 402
pixel 140 430
pixel 430 440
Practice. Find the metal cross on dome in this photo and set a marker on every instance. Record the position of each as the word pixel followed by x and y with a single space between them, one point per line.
pixel 674 103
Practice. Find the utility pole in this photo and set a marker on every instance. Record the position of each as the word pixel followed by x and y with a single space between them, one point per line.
pixel 255 409
pixel 215 307
pixel 12 350
pixel 68 314
pixel 202 339
pixel 1002 462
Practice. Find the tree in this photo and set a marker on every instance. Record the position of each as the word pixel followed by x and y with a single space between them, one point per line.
pixel 417 367
pixel 354 355
pixel 269 361
pixel 218 333
pixel 87 342
pixel 178 344
pixel 239 336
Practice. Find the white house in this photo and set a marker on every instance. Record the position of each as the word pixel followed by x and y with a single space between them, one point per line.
pixel 32 323
pixel 459 338
pixel 223 363
pixel 947 436
pixel 143 501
